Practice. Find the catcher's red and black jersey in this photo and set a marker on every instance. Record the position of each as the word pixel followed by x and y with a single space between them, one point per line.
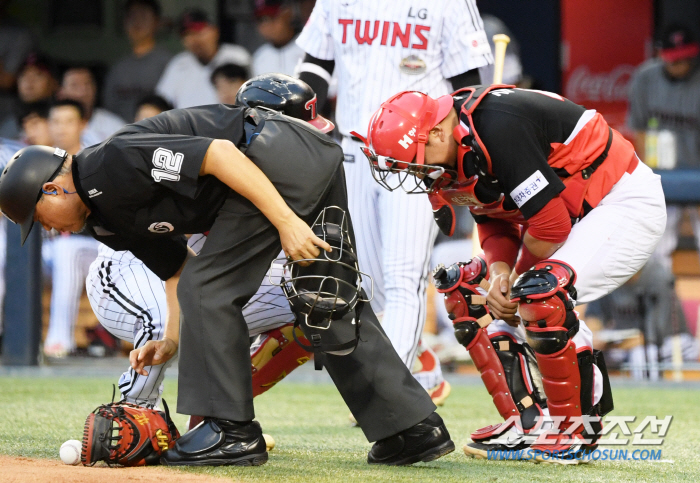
pixel 143 187
pixel 535 139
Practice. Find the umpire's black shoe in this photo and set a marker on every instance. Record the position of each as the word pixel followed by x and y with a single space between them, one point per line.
pixel 217 442
pixel 426 441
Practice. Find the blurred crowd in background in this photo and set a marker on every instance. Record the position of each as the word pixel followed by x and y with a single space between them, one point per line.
pixel 44 100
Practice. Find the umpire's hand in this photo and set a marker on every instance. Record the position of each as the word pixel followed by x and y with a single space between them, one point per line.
pixel 153 353
pixel 299 241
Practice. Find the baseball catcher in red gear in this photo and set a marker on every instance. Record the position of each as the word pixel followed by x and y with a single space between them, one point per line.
pixel 565 214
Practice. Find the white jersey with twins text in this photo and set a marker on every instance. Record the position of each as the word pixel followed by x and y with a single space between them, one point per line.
pixel 382 47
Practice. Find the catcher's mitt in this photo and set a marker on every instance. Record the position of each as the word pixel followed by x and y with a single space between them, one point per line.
pixel 127 434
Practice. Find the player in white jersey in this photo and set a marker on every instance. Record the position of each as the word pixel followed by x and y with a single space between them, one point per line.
pixel 378 47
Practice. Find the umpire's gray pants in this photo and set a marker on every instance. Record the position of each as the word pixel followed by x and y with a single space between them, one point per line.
pixel 214 368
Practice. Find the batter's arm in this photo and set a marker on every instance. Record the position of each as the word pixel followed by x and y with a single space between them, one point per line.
pixel 230 166
pixel 317 73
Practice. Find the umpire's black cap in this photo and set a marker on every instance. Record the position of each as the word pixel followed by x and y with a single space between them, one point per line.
pixel 285 94
pixel 21 182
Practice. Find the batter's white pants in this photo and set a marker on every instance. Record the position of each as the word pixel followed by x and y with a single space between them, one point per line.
pixel 395 233
pixel 129 301
pixel 608 246
pixel 68 257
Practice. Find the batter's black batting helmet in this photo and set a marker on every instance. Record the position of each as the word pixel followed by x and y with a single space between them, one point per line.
pixel 285 94
pixel 21 182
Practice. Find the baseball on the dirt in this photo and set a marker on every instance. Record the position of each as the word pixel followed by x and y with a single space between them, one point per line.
pixel 70 452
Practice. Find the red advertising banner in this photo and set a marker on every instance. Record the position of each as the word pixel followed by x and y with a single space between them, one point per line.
pixel 603 42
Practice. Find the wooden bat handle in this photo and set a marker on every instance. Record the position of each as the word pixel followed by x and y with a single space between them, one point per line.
pixel 501 41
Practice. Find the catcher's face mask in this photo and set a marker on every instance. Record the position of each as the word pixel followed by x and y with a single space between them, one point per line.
pixel 413 178
pixel 331 286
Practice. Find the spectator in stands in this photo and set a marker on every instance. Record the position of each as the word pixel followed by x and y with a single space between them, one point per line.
pixel 37 80
pixel 67 121
pixel 34 120
pixel 643 311
pixel 276 21
pixel 186 80
pixel 16 43
pixel 666 91
pixel 227 79
pixel 79 85
pixel 150 106
pixel 137 74
pixel 68 257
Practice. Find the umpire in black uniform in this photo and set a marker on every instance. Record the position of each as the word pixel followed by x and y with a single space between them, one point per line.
pixel 185 171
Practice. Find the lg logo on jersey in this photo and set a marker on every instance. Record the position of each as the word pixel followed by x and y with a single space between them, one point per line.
pixel 161 227
pixel 168 166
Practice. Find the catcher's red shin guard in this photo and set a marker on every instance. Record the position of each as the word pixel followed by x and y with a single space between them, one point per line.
pixel 501 361
pixel 276 357
pixel 546 295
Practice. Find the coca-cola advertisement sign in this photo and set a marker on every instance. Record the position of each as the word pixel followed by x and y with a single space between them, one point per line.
pixel 599 56
pixel 585 86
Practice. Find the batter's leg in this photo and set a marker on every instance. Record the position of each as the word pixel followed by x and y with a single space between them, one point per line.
pixel 374 382
pixel 363 197
pixel 408 234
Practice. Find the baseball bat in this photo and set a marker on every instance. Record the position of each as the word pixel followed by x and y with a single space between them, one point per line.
pixel 501 43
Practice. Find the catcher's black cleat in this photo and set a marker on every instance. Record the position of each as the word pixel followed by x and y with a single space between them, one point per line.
pixel 218 442
pixel 426 441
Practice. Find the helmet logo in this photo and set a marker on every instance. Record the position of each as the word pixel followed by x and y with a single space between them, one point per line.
pixel 161 227
pixel 406 141
pixel 311 106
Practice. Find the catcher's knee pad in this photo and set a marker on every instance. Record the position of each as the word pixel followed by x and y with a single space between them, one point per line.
pixel 546 295
pixel 501 362
pixel 276 357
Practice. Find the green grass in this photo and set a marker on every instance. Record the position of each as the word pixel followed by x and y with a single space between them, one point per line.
pixel 315 442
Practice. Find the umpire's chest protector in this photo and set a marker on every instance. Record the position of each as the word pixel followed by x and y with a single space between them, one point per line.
pixel 298 159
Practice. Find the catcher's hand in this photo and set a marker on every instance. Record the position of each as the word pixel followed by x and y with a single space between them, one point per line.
pixel 127 435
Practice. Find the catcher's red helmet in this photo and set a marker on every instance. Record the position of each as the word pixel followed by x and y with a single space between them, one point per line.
pixel 399 129
pixel 397 135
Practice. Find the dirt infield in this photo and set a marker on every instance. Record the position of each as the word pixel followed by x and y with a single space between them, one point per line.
pixel 18 469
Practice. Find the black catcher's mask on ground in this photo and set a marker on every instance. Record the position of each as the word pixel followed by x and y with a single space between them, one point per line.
pixel 327 294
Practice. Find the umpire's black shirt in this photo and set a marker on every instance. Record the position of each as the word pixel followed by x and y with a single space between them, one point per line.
pixel 143 187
